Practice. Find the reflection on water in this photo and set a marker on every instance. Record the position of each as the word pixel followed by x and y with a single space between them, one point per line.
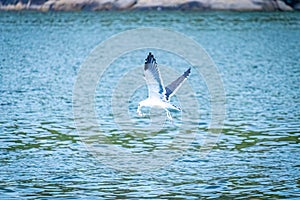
pixel 257 154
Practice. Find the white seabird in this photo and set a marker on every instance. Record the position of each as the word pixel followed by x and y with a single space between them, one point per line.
pixel 158 95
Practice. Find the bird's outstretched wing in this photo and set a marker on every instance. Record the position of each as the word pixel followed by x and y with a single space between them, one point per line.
pixel 175 85
pixel 152 75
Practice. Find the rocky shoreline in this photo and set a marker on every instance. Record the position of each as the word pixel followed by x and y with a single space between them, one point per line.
pixel 194 5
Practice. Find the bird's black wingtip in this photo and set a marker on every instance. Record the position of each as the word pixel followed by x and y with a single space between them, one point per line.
pixel 150 59
pixel 187 72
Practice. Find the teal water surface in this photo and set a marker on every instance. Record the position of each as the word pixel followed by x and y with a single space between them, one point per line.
pixel 257 156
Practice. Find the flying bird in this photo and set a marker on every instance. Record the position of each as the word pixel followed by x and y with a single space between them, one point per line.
pixel 158 95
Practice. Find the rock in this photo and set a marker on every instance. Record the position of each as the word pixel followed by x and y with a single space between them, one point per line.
pixel 95 5
pixel 283 7
pixel 194 5
pixel 47 6
pixel 67 5
pixel 76 5
pixel 236 5
pixel 157 4
pixel 111 4
pixel 268 5
pixel 249 5
pixel 124 4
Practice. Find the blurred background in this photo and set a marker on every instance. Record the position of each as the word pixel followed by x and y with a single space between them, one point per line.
pixel 257 55
pixel 96 5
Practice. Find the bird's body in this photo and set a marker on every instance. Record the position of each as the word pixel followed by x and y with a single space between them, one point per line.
pixel 158 95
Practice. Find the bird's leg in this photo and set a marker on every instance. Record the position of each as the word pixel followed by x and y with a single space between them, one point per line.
pixel 169 115
pixel 138 111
